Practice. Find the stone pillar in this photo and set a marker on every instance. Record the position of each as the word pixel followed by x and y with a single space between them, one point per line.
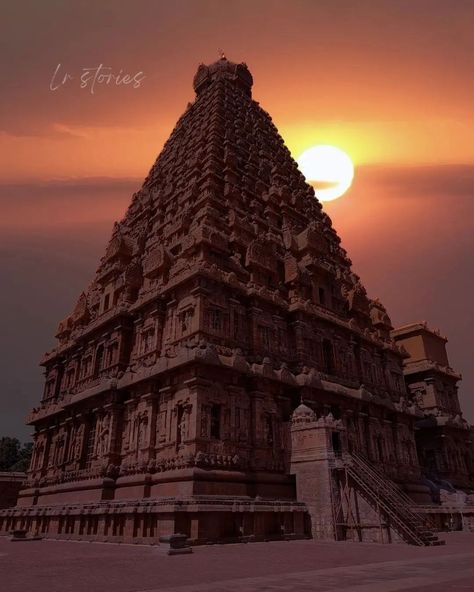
pixel 101 529
pixel 198 389
pixel 313 462
pixel 114 444
pixel 149 406
pixel 129 527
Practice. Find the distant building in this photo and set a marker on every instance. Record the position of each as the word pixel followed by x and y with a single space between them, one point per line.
pixel 444 439
pixel 225 374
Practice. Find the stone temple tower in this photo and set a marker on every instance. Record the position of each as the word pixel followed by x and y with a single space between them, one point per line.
pixel 223 299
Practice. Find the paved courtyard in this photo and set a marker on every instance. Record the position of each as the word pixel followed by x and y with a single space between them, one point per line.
pixel 50 566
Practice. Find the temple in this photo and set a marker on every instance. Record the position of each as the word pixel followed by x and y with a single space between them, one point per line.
pixel 444 439
pixel 225 375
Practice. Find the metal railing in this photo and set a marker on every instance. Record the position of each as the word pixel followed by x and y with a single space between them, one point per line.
pixel 389 499
pixel 388 488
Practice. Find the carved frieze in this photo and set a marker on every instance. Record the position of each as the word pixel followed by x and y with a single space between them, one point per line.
pixel 156 261
pixel 261 254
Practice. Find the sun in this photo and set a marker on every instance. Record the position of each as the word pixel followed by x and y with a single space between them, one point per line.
pixel 328 169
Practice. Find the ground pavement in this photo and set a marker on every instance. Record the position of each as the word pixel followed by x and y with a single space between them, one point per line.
pixel 296 566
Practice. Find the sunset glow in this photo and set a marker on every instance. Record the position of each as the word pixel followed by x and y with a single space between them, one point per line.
pixel 328 169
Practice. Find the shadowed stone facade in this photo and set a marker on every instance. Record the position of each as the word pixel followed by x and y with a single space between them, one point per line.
pixel 223 300
pixel 10 485
pixel 444 438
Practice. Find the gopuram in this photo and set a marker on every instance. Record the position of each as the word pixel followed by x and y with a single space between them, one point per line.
pixel 226 376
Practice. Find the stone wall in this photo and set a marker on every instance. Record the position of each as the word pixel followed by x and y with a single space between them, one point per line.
pixel 10 486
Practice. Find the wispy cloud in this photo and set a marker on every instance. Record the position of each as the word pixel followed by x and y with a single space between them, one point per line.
pixel 421 181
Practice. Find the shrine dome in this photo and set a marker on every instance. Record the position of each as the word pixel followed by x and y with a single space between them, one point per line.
pixel 303 412
pixel 223 69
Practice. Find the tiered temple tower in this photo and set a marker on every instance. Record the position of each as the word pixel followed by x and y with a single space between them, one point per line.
pixel 223 299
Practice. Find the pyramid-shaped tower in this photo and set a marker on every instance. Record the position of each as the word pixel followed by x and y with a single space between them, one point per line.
pixel 223 299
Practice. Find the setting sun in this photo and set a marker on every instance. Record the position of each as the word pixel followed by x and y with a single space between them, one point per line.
pixel 328 169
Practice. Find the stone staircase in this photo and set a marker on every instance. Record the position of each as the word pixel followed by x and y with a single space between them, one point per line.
pixel 389 499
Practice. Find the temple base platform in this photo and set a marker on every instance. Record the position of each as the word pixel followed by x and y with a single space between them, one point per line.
pixel 203 520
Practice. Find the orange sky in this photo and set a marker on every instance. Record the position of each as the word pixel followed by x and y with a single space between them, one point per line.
pixel 390 82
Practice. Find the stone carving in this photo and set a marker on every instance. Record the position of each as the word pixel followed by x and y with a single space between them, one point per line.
pixel 52 452
pixel 142 428
pixel 78 443
pixel 161 427
pixel 37 458
pixel 119 246
pixel 205 421
pixel 262 254
pixel 81 312
pixel 103 435
pixel 155 261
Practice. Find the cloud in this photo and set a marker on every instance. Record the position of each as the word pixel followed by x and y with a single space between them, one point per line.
pixel 75 186
pixel 75 132
pixel 47 206
pixel 421 181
